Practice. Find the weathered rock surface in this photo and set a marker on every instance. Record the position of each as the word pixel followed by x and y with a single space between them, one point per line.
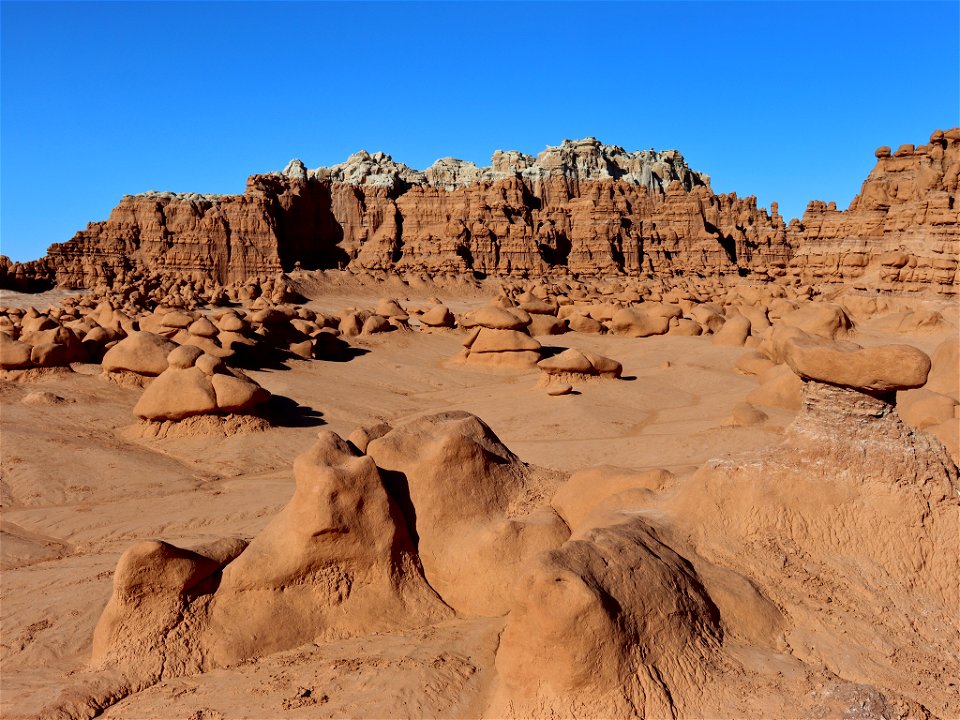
pixel 337 559
pixel 900 233
pixel 195 383
pixel 581 207
pixel 802 521
pixel 883 369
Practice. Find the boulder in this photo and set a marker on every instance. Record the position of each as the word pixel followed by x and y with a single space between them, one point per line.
pixel 640 323
pixel 734 332
pixel 492 341
pixel 438 316
pixel 883 369
pixel 547 325
pixel 495 318
pixel 143 353
pixel 823 319
pixel 177 393
pixel 237 394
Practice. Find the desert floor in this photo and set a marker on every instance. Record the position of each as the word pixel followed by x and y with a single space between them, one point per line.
pixel 80 485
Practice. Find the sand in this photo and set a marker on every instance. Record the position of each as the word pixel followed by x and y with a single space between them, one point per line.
pixel 81 483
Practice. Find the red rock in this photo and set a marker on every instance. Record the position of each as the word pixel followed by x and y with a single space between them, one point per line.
pixel 581 207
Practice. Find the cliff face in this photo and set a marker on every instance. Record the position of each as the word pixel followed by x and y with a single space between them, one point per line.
pixel 902 232
pixel 581 207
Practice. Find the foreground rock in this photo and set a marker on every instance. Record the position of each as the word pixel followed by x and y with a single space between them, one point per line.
pixel 338 560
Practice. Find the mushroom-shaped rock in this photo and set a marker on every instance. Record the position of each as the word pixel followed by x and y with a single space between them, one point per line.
pixel 570 361
pixel 883 369
pixel 237 394
pixel 177 393
pixel 198 384
pixel 438 316
pixel 495 318
pixel 575 362
pixel 491 341
pixel 143 353
pixel 231 322
pixel 604 366
pixel 203 328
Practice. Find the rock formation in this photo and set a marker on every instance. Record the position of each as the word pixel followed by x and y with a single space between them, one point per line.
pixel 581 207
pixel 573 364
pixel 337 561
pixel 900 233
pixel 851 508
pixel 499 338
pixel 195 383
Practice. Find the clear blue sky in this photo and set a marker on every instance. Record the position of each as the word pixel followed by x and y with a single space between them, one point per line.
pixel 786 101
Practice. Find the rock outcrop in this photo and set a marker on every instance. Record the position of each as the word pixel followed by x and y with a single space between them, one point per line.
pixel 805 522
pixel 195 383
pixel 900 233
pixel 581 207
pixel 336 561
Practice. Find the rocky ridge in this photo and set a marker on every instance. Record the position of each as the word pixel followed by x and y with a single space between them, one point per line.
pixel 586 159
pixel 580 208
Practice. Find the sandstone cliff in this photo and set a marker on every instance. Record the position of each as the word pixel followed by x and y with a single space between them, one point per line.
pixel 900 233
pixel 581 207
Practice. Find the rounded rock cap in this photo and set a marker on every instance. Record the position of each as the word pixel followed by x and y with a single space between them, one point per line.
pixel 884 369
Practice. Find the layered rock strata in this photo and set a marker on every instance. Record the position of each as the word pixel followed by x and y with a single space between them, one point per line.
pixel 900 233
pixel 581 207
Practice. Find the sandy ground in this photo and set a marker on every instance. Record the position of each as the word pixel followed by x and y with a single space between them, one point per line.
pixel 79 487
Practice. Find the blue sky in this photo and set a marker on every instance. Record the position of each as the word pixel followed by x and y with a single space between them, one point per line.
pixel 786 101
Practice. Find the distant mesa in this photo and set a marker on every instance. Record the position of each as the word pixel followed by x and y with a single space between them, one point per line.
pixel 581 208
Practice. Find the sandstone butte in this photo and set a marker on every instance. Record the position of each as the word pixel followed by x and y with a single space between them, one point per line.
pixel 580 208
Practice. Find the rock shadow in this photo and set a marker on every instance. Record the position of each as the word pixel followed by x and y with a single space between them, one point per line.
pixel 282 411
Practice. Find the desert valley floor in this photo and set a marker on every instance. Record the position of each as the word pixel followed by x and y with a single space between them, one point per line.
pixel 82 482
